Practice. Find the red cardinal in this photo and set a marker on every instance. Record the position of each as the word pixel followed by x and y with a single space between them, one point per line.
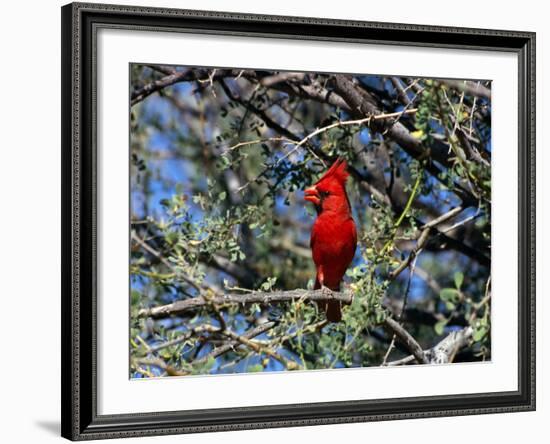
pixel 333 237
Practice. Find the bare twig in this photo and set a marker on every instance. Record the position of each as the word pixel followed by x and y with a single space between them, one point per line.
pixel 483 302
pixel 185 337
pixel 159 363
pixel 401 91
pixel 262 349
pixel 443 218
pixel 256 141
pixel 423 239
pixel 403 307
pixel 250 334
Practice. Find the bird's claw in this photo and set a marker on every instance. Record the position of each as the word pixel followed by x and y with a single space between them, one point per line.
pixel 326 291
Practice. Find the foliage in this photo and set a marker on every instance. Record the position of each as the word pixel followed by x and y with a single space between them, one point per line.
pixel 218 164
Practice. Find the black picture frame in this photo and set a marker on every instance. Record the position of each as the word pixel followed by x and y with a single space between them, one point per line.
pixel 79 171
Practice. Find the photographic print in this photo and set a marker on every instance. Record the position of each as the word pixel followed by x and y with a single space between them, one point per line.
pixel 273 221
pixel 297 221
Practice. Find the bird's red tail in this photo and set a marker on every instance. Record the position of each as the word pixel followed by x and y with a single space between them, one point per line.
pixel 333 311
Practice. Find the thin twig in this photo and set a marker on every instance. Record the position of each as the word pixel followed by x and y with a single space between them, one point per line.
pixel 159 363
pixel 403 307
pixel 250 334
pixel 423 239
pixel 262 349
pixel 318 131
pixel 165 261
pixel 185 337
pixel 254 142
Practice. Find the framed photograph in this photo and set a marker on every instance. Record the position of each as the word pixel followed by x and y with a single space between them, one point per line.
pixel 279 221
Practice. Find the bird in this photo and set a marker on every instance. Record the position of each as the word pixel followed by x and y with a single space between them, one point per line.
pixel 333 236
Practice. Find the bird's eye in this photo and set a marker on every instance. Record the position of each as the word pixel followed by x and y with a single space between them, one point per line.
pixel 324 193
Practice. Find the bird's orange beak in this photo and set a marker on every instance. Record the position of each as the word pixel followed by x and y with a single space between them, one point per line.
pixel 312 195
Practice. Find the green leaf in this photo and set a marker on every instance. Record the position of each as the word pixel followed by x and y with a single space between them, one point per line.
pixel 135 297
pixel 459 279
pixel 209 363
pixel 450 306
pixel 171 237
pixel 439 327
pixel 418 134
pixel 449 294
pixel 256 368
pixel 480 332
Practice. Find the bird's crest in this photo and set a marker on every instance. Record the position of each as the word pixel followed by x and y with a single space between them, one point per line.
pixel 337 171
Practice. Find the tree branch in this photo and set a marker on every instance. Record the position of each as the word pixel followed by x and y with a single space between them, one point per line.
pixel 189 75
pixel 444 351
pixel 157 85
pixel 470 88
pixel 273 297
pixel 423 239
pixel 362 104
pixel 405 337
pixel 256 297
